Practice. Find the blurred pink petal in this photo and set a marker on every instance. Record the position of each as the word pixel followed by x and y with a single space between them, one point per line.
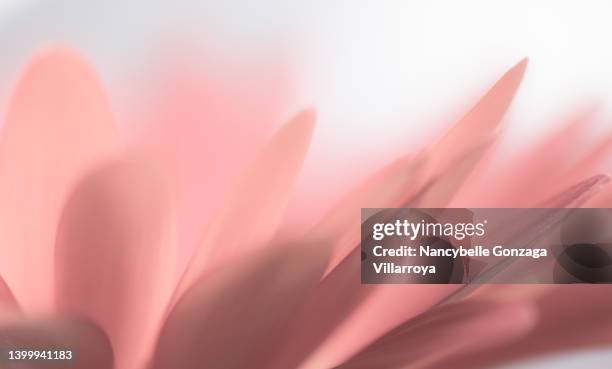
pixel 597 157
pixel 393 185
pixel 115 256
pixel 321 314
pixel 58 124
pixel 523 232
pixel 334 300
pixel 379 308
pixel 446 331
pixel 246 301
pixel 595 161
pixel 383 300
pixel 547 167
pixel 236 316
pixel 208 116
pixel 584 320
pixel 479 123
pixel 602 199
pixel 258 203
pixel 447 164
pixel 389 187
pixel 581 322
pixel 442 189
pixel 570 317
pixel 7 300
pixel 90 346
pixel 331 301
pixel 578 194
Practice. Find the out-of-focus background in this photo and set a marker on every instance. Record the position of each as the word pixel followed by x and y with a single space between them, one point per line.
pixel 384 76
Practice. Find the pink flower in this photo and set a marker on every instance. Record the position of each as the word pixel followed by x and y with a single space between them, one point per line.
pixel 90 232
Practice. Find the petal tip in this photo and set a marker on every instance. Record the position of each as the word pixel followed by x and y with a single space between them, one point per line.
pixel 57 56
pixel 308 116
pixel 518 70
pixel 521 66
pixel 303 122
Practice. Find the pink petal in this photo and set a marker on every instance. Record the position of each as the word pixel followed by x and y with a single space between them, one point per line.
pixel 90 346
pixel 546 168
pixel 390 187
pixel 570 317
pixel 236 317
pixel 348 325
pixel 596 159
pixel 603 199
pixel 323 314
pixel 578 194
pixel 443 188
pixel 325 309
pixel 573 316
pixel 364 312
pixel 258 202
pixel 446 331
pixel 575 157
pixel 522 232
pixel 115 256
pixel 7 300
pixel 208 116
pixel 479 123
pixel 395 183
pixel 57 126
pixel 331 304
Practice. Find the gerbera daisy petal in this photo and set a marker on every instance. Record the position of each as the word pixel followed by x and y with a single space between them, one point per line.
pixel 115 255
pixel 443 188
pixel 258 202
pixel 58 124
pixel 350 326
pixel 207 115
pixel 236 316
pixel 548 167
pixel 583 322
pixel 7 299
pixel 480 122
pixel 446 331
pixel 81 343
pixel 388 188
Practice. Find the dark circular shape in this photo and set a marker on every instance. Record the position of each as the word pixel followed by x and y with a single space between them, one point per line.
pixel 584 263
pixel 589 255
pixel 583 226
